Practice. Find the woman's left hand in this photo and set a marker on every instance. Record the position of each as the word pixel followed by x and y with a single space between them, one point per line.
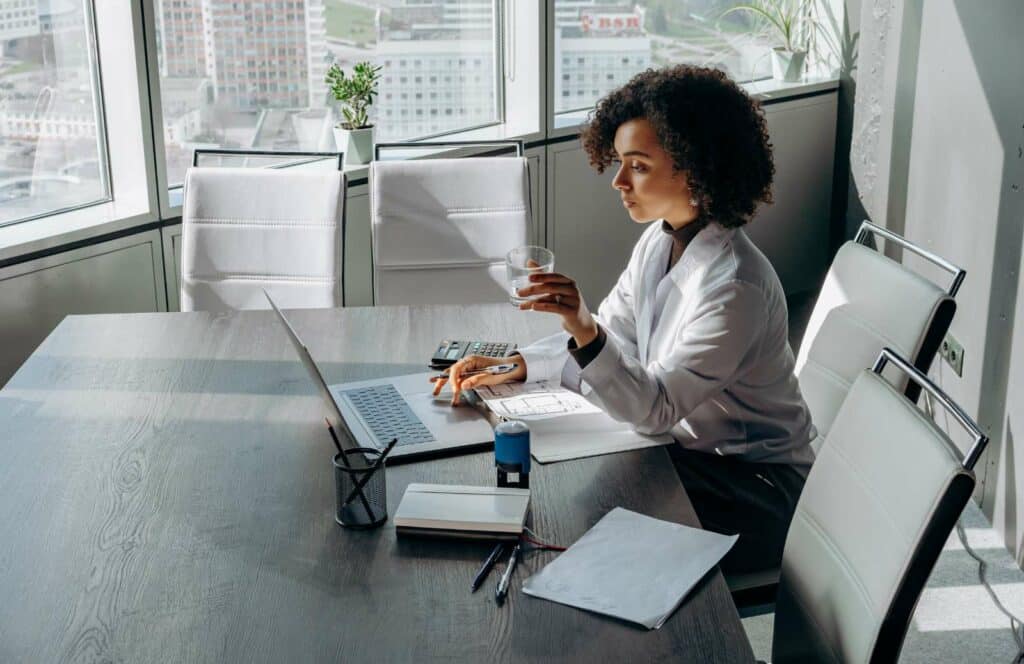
pixel 560 295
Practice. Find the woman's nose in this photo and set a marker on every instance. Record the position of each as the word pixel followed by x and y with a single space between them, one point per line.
pixel 620 181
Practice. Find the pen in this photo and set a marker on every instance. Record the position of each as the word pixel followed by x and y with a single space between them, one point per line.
pixel 344 461
pixel 486 567
pixel 360 483
pixel 499 594
pixel 494 370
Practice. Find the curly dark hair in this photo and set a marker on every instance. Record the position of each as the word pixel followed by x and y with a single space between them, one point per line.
pixel 714 132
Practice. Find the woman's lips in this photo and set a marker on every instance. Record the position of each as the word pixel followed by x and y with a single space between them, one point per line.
pixel 629 204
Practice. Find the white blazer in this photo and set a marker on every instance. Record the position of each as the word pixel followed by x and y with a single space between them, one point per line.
pixel 701 352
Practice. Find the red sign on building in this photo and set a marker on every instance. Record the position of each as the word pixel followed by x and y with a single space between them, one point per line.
pixel 594 22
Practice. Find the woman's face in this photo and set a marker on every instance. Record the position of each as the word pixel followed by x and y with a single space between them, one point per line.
pixel 649 186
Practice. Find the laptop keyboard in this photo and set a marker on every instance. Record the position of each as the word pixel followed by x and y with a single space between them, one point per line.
pixel 388 416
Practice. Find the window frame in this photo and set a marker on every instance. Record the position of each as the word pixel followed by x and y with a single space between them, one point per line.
pixel 99 117
pixel 127 134
pixel 171 198
pixel 134 126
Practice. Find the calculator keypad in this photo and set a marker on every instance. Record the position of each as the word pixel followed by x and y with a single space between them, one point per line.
pixel 451 351
pixel 489 349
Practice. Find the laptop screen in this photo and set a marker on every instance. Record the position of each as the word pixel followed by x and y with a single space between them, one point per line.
pixel 334 412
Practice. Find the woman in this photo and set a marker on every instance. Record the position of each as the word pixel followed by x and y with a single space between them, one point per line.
pixel 693 339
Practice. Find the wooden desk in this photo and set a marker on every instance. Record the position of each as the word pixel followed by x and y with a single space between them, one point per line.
pixel 166 494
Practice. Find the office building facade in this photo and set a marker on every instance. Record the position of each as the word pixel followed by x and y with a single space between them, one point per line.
pixel 257 54
pixel 18 18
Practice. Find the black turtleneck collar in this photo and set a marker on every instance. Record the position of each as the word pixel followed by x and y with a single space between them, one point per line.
pixel 686 233
pixel 681 237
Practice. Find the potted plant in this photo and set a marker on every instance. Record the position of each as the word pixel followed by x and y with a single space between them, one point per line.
pixel 790 19
pixel 354 135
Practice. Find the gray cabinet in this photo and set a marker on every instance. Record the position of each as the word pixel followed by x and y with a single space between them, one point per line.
pixel 119 276
pixel 358 248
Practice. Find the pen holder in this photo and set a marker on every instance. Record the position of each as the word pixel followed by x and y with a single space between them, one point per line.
pixel 362 497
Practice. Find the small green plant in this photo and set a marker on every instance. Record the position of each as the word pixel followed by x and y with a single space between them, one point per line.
pixel 790 18
pixel 355 92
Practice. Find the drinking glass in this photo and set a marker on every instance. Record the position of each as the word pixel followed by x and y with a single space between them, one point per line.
pixel 520 263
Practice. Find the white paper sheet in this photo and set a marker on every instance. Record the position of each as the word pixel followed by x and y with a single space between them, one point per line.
pixel 534 401
pixel 631 566
pixel 563 424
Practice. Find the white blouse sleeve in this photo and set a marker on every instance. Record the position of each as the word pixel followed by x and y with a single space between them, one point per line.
pixel 721 339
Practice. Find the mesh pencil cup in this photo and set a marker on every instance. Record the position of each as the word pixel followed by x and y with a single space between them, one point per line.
pixel 362 497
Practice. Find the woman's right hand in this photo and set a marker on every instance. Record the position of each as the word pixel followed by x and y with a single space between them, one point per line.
pixel 475 363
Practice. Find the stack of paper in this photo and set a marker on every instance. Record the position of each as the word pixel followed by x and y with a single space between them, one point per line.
pixel 631 566
pixel 563 424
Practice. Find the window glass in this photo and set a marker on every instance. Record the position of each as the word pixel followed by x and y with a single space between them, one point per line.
pixel 51 153
pixel 249 74
pixel 601 44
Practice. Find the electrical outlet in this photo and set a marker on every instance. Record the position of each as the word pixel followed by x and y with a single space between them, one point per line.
pixel 953 353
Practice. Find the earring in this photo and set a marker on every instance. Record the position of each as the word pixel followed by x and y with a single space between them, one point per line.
pixel 693 202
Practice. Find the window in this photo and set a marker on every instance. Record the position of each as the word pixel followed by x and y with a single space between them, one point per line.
pixel 250 74
pixel 617 40
pixel 296 115
pixel 52 150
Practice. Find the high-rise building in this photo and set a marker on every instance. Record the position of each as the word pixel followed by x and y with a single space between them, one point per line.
pixel 598 48
pixel 181 50
pixel 257 53
pixel 18 18
pixel 439 67
pixel 261 53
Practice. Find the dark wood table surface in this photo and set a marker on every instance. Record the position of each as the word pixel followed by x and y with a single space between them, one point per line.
pixel 166 495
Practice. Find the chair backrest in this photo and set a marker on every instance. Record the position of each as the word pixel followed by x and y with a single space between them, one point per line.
pixel 244 230
pixel 878 505
pixel 442 228
pixel 868 302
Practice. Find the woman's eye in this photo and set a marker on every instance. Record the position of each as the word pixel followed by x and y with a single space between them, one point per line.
pixel 639 168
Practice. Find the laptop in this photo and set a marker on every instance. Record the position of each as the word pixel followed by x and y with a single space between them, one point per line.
pixel 372 412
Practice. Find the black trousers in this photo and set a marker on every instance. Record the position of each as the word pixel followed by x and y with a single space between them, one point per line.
pixel 731 496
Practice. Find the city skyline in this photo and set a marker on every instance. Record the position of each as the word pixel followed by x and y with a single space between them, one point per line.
pixel 250 74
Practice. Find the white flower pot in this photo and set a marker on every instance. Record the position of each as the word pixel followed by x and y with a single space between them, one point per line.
pixel 787 65
pixel 357 144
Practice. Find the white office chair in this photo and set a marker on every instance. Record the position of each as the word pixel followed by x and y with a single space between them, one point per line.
pixel 442 227
pixel 244 230
pixel 868 302
pixel 883 497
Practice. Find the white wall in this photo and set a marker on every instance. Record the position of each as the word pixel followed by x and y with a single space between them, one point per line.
pixel 939 159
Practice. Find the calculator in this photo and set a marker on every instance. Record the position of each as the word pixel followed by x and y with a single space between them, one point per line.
pixel 451 351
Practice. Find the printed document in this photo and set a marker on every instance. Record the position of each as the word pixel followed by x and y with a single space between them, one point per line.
pixel 563 424
pixel 600 572
pixel 534 401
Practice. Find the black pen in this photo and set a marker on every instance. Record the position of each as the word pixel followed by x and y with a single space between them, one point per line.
pixel 486 567
pixel 360 483
pixel 344 462
pixel 499 594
